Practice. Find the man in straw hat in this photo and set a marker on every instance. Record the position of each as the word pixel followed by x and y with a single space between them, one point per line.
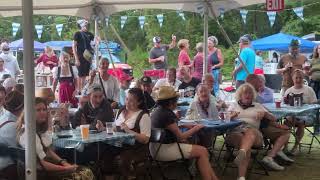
pixel 290 62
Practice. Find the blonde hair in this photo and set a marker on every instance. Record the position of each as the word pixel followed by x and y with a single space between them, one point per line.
pixel 49 51
pixel 213 39
pixel 182 43
pixel 245 88
pixel 206 76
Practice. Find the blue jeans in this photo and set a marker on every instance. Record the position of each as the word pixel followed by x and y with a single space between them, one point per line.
pixel 216 75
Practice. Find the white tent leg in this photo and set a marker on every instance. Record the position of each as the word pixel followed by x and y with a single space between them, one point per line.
pixel 205 40
pixel 96 34
pixel 28 66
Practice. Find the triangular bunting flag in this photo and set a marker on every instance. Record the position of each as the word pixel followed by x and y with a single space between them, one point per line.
pixel 15 28
pixel 181 14
pixel 123 21
pixel 39 29
pixel 199 8
pixel 272 17
pixel 299 12
pixel 107 21
pixel 160 19
pixel 59 28
pixel 243 14
pixel 221 11
pixel 141 21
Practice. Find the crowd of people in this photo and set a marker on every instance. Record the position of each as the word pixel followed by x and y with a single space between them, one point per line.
pixel 152 103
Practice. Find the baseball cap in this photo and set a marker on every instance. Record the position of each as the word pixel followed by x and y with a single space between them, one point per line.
pixel 156 39
pixel 125 77
pixel 146 80
pixel 295 43
pixel 245 39
pixel 82 22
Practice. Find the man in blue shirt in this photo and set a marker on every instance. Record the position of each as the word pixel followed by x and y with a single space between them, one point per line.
pixel 247 56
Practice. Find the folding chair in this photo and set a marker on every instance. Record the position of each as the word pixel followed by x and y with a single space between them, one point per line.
pixel 157 137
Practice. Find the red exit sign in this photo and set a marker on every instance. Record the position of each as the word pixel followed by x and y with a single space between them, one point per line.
pixel 275 5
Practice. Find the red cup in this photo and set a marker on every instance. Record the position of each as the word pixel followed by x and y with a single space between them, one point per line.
pixel 278 103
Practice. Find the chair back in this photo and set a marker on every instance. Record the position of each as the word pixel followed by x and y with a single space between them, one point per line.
pixel 156 135
pixel 17 153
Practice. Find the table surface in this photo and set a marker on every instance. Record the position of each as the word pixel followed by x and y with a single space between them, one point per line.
pixel 116 139
pixel 287 110
pixel 212 124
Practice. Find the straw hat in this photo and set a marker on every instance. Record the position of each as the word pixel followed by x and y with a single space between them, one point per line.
pixel 45 93
pixel 166 92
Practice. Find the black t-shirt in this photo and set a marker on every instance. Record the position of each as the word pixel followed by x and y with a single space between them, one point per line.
pixel 162 118
pixel 83 38
pixel 149 100
pixel 190 87
pixel 104 113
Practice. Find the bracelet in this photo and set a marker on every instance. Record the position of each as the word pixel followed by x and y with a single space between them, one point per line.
pixel 62 160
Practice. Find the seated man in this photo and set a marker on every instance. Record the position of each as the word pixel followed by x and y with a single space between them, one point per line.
pixel 189 83
pixel 125 81
pixel 96 112
pixel 170 80
pixel 146 86
pixel 278 134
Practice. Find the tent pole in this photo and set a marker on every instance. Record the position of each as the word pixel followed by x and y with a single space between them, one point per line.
pixel 205 41
pixel 28 66
pixel 226 35
pixel 96 34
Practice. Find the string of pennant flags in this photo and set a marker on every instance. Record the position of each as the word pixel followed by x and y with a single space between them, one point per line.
pixel 199 8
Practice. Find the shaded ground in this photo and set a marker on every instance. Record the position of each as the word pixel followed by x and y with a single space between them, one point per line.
pixel 306 167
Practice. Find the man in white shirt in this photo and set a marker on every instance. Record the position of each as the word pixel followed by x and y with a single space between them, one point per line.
pixel 10 62
pixel 170 80
pixel 109 83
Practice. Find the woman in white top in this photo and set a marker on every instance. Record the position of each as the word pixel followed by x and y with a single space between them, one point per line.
pixel 134 119
pixel 309 97
pixel 247 135
pixel 67 76
pixel 47 159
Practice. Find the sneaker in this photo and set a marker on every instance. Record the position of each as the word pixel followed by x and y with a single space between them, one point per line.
pixel 241 178
pixel 240 157
pixel 272 164
pixel 283 156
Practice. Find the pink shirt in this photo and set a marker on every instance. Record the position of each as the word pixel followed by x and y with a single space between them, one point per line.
pixel 183 58
pixel 198 66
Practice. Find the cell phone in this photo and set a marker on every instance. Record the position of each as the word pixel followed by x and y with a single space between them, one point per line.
pixel 64 136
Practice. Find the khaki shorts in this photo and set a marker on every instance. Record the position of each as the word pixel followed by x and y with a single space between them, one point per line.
pixel 234 137
pixel 170 152
pixel 273 133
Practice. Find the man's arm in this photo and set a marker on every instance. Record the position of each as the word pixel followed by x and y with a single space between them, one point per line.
pixel 75 53
pixel 173 42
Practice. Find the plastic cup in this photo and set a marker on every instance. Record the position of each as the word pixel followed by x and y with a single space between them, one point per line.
pixel 85 131
pixel 227 116
pixel 278 103
pixel 109 128
pixel 297 101
pixel 181 93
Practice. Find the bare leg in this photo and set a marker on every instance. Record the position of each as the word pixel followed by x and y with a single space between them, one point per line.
pixel 81 81
pixel 242 169
pixel 203 163
pixel 299 134
pixel 278 144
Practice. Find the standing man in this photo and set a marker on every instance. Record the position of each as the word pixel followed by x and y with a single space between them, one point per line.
pixel 158 54
pixel 288 63
pixel 82 50
pixel 248 57
pixel 10 62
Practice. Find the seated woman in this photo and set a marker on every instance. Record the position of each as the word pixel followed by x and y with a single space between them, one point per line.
pixel 163 117
pixel 134 119
pixel 203 107
pixel 96 112
pixel 203 104
pixel 55 167
pixel 309 97
pixel 247 135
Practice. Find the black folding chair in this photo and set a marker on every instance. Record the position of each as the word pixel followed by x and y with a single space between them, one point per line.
pixel 157 137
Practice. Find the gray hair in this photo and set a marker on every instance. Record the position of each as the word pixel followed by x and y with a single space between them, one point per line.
pixel 199 47
pixel 244 88
pixel 213 39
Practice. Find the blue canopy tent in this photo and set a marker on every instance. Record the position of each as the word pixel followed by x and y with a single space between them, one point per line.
pixel 18 45
pixel 59 44
pixel 280 42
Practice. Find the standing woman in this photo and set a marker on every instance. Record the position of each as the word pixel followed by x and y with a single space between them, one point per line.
pixel 198 62
pixel 215 59
pixel 67 77
pixel 54 166
pixel 315 71
pixel 183 59
pixel 48 58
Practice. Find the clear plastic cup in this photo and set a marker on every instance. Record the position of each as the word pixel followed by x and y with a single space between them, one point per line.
pixel 227 116
pixel 109 128
pixel 85 131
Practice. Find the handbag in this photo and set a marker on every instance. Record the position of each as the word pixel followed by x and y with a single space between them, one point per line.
pixel 87 54
pixel 291 98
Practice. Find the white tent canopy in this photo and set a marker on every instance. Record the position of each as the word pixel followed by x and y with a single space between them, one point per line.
pixel 85 8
